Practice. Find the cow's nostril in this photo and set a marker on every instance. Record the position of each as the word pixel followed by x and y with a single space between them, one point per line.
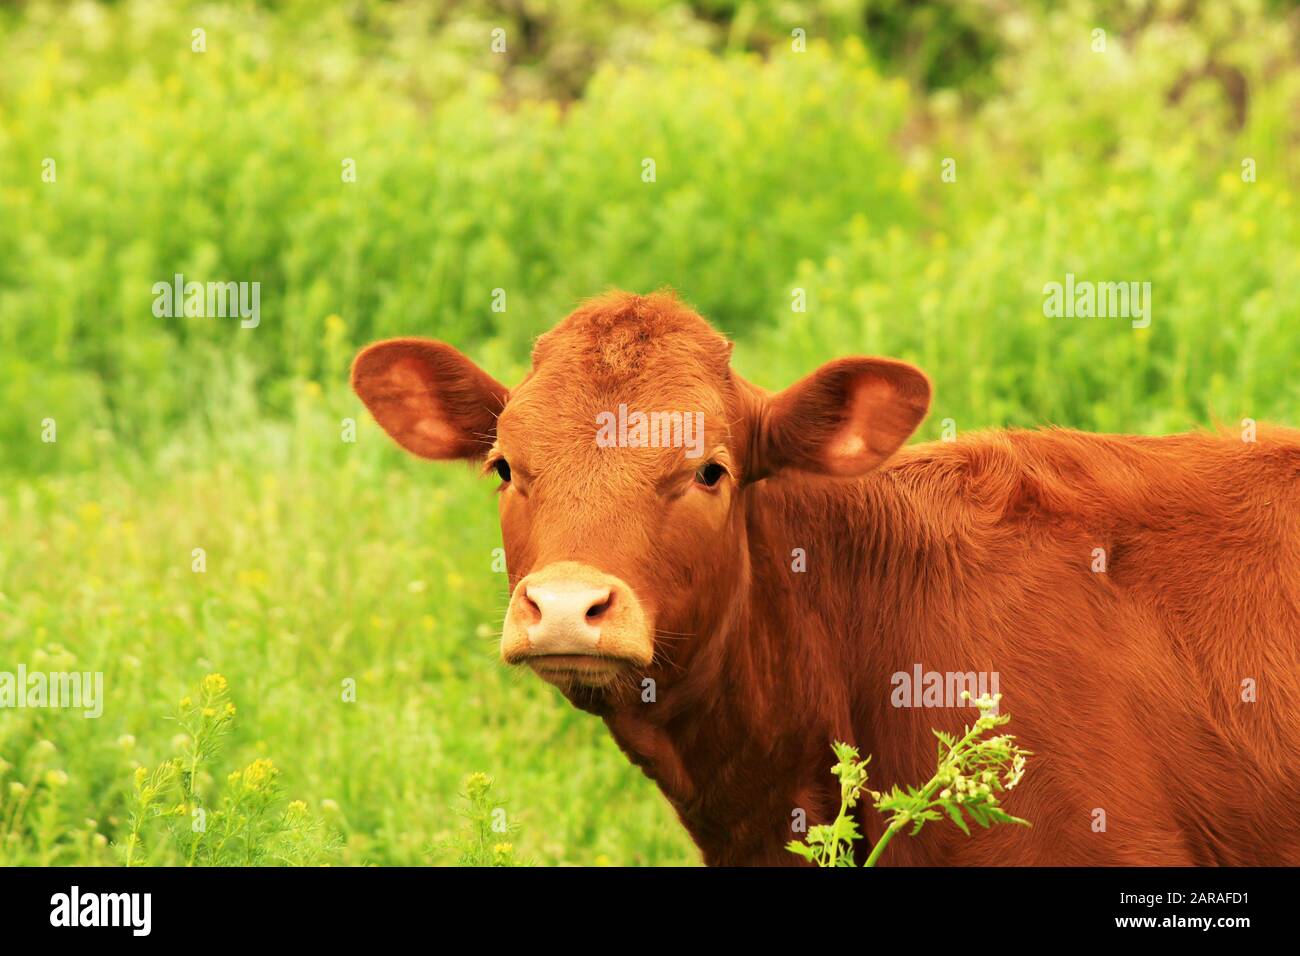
pixel 532 610
pixel 598 610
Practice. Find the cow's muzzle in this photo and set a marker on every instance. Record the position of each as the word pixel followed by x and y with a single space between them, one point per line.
pixel 574 624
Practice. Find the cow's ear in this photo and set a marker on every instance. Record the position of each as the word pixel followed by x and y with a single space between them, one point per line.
pixel 433 400
pixel 844 419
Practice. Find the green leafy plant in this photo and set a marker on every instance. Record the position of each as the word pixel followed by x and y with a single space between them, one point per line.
pixel 484 840
pixel 972 773
pixel 247 821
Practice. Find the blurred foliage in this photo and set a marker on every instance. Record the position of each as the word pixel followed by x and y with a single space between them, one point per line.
pixel 1088 170
pixel 770 172
pixel 227 165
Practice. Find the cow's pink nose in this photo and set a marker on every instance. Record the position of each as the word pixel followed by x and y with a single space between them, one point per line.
pixel 563 617
pixel 568 610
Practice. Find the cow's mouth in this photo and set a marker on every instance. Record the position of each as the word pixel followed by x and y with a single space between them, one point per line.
pixel 591 670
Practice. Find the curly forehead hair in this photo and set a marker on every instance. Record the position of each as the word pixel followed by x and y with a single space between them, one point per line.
pixel 619 334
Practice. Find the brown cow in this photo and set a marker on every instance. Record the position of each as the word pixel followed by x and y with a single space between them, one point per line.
pixel 732 608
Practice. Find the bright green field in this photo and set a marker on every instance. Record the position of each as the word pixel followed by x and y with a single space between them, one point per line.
pixel 332 561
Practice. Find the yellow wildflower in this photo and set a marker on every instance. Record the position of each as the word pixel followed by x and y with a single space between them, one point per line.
pixel 259 774
pixel 214 684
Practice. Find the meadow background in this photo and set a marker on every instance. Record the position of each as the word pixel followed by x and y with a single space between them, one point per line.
pixel 328 560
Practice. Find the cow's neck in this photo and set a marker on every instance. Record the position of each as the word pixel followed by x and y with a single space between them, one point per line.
pixel 785 670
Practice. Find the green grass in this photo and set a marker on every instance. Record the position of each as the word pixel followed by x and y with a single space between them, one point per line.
pixel 350 564
pixel 327 560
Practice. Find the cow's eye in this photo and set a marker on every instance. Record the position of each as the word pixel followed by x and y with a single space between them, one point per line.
pixel 710 474
pixel 503 469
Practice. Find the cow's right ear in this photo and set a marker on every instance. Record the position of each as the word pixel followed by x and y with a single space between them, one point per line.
pixel 845 419
pixel 433 400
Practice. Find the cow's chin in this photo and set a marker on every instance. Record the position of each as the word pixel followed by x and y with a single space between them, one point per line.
pixel 579 672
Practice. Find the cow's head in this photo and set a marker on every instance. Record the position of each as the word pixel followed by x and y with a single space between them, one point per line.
pixel 624 526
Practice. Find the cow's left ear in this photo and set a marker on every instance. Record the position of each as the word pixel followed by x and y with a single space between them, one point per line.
pixel 844 419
